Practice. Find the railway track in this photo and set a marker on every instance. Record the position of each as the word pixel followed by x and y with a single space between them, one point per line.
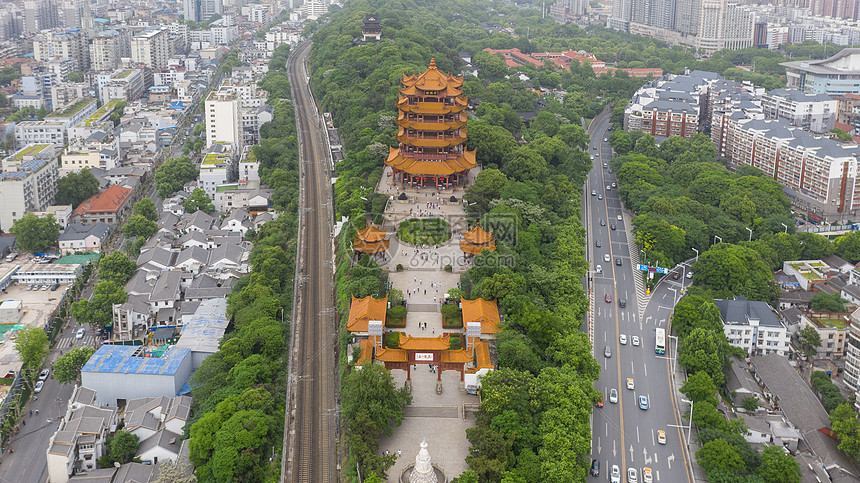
pixel 310 449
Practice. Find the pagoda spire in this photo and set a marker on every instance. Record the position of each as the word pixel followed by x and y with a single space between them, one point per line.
pixel 432 62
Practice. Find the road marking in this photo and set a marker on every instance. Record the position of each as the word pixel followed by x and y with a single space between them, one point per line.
pixel 645 368
pixel 637 438
pixel 631 368
pixel 647 319
pixel 653 442
pixel 607 430
pixel 657 474
pixel 598 445
pixel 613 449
pixel 647 458
pixel 670 459
pixel 631 453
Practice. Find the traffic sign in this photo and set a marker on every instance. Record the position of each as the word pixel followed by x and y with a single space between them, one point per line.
pixel 644 268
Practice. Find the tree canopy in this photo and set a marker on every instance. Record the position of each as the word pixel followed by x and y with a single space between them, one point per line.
pixel 75 188
pixel 171 176
pixel 36 234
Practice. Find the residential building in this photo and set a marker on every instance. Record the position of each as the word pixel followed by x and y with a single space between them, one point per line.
pixel 123 85
pixel 833 76
pixel 40 15
pixel 81 436
pixel 99 150
pixel 852 356
pixel 672 105
pixel 151 48
pixel 208 8
pixel 74 113
pixel 753 326
pixel 106 50
pixel 66 94
pixel 202 334
pixel 83 238
pixel 191 10
pixel 215 169
pixel 223 119
pixel 109 207
pixel 63 44
pixel 833 331
pixel 28 183
pixel 848 110
pixel 61 213
pixel 820 174
pixel 813 112
pixel 40 132
pixel 250 198
pixel 158 423
pixel 249 167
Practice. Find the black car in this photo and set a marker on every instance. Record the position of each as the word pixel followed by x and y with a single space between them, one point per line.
pixel 595 468
pixel 612 226
pixel 676 276
pixel 622 303
pixel 597 243
pixel 603 223
pixel 618 261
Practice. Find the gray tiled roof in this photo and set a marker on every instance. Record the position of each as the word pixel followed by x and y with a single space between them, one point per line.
pixel 739 310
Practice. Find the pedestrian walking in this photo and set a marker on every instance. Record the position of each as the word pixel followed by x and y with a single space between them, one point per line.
pixel 399 453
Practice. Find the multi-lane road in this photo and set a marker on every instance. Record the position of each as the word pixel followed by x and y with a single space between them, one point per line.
pixel 622 433
pixel 310 452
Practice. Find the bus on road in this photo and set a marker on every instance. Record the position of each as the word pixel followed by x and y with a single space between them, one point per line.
pixel 660 346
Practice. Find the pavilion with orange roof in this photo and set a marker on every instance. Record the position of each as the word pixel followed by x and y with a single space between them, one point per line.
pixel 432 131
pixel 362 311
pixel 482 312
pixel 477 240
pixel 370 240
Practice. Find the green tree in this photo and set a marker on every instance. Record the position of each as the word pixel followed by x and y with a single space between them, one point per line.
pixel 31 345
pixel 526 164
pixel 492 144
pixel 848 246
pixel 199 200
pixel 700 387
pixel 705 350
pixel 179 470
pixel 750 403
pixel 490 66
pixel 138 225
pixel 574 136
pixel 844 422
pixel 68 367
pixel 372 405
pixel 720 455
pixel 809 340
pixel 827 302
pixel 98 310
pixel 123 446
pixel 116 267
pixel 36 234
pixel 813 246
pixel 146 208
pixel 171 176
pixel 778 467
pixel 841 134
pixel 487 187
pixel 75 188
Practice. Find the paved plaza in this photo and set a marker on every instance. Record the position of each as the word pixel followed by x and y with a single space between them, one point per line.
pixel 435 418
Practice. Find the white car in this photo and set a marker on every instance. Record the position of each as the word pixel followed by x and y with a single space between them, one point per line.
pixel 689 274
pixel 630 383
pixel 623 339
pixel 615 474
pixel 80 333
pixel 613 396
pixel 606 257
pixel 44 374
pixel 635 340
pixel 38 387
pixel 632 477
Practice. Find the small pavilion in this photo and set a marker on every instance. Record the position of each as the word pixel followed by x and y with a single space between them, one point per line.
pixel 477 240
pixel 363 311
pixel 371 240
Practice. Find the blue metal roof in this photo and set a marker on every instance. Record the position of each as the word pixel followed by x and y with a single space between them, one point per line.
pixel 120 359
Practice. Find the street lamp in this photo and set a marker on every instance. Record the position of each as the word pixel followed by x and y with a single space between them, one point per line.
pixel 675 356
pixel 715 239
pixel 749 230
pixel 675 298
pixel 690 427
pixel 644 255
pixel 697 253
pixel 786 227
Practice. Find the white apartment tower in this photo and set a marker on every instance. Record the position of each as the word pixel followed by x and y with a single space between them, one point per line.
pixel 223 119
pixel 106 50
pixel 151 48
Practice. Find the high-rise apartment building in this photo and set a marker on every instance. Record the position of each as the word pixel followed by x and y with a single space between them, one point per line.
pixel 40 15
pixel 223 119
pixel 151 48
pixel 208 8
pixel 28 183
pixel 106 50
pixel 63 44
pixel 707 25
pixel 191 10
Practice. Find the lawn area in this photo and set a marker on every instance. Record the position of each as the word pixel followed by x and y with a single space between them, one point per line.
pixel 835 322
pixel 424 231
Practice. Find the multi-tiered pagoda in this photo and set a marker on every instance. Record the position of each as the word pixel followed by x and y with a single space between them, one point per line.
pixel 432 131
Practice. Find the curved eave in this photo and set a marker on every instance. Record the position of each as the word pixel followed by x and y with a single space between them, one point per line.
pixel 414 166
pixel 431 126
pixel 477 249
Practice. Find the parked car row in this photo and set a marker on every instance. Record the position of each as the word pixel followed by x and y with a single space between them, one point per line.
pixel 36 286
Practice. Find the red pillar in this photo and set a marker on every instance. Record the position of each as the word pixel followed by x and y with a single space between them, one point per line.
pixel 408 372
pixel 462 375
